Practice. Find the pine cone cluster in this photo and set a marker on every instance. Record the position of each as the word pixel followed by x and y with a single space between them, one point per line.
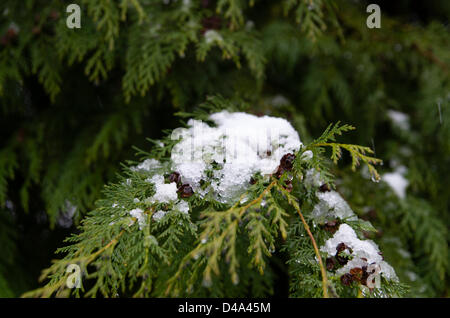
pixel 357 274
pixel 331 226
pixel 184 190
pixel 286 164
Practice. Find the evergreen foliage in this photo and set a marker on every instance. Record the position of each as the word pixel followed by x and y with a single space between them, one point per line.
pixel 217 249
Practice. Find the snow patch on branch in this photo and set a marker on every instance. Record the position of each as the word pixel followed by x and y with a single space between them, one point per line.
pixel 147 165
pixel 397 181
pixel 331 205
pixel 217 160
pixel 140 216
pixel 164 192
pixel 400 119
pixel 361 252
pixel 239 146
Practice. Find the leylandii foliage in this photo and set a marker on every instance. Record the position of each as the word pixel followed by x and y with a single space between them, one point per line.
pixel 211 207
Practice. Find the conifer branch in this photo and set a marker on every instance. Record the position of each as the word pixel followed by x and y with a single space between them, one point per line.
pixel 213 240
pixel 357 153
pixel 294 204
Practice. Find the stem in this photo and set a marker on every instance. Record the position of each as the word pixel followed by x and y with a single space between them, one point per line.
pixel 316 250
pixel 111 243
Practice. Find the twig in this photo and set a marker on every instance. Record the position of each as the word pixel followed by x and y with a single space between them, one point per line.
pixel 316 250
pixel 313 241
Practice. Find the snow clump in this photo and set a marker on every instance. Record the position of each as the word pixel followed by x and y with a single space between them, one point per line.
pixel 238 147
pixel 397 181
pixel 331 205
pixel 361 252
pixel 218 160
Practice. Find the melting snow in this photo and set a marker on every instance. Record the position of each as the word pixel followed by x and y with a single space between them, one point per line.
pixel 140 216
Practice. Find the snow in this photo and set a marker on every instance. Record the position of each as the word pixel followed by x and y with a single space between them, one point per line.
pixel 158 215
pixel 397 181
pixel 182 206
pixel 307 155
pixel 65 218
pixel 224 156
pixel 139 215
pixel 212 36
pixel 411 275
pixel 164 192
pixel 240 144
pixel 147 165
pixel 279 100
pixel 360 249
pixel 157 179
pixel 398 118
pixel 331 205
pixel 312 178
pixel 388 271
pixel 403 253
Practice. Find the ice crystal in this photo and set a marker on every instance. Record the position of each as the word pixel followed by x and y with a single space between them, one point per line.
pixel 164 192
